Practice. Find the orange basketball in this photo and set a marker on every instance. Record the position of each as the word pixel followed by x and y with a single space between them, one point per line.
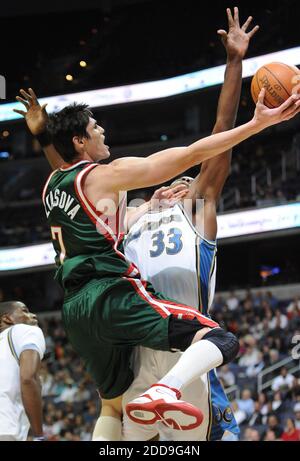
pixel 280 81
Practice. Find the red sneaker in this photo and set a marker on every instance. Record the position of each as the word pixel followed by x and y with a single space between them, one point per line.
pixel 162 403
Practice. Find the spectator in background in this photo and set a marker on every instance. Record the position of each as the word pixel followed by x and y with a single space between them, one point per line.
pixel 277 401
pixel 284 381
pixel 272 300
pixel 273 425
pixel 218 304
pixel 226 376
pixel 246 403
pixel 297 415
pixel 291 433
pixel 279 321
pixel 293 309
pixel 232 302
pixel 251 355
pixel 251 435
pixel 253 370
pixel 270 436
pixel 257 417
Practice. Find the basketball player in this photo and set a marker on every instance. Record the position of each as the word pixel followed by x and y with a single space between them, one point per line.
pixel 22 346
pixel 180 262
pixel 107 309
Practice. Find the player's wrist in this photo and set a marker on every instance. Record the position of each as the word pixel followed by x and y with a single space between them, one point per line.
pixel 44 138
pixel 233 60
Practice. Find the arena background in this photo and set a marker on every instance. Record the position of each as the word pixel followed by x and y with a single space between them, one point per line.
pixel 126 42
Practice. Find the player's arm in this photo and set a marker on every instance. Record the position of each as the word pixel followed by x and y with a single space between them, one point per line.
pixel 31 389
pixel 36 118
pixel 210 181
pixel 134 172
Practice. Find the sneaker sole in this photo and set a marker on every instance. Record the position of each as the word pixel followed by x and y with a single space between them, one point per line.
pixel 178 415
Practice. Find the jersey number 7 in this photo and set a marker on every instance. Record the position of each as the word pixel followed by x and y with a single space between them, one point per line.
pixel 56 234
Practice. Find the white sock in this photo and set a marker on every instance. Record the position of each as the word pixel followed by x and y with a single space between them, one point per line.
pixel 107 429
pixel 198 359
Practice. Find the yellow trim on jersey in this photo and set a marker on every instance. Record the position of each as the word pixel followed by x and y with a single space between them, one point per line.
pixel 210 410
pixel 212 268
pixel 198 256
pixel 11 346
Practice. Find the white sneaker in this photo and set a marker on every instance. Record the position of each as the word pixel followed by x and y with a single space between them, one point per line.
pixel 162 403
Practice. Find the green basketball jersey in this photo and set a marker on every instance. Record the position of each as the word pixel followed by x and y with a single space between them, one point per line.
pixel 87 244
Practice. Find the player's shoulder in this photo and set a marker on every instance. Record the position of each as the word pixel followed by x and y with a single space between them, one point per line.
pixel 99 171
pixel 22 328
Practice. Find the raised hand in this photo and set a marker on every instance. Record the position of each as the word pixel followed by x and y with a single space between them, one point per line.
pixel 265 117
pixel 237 39
pixel 168 196
pixel 35 115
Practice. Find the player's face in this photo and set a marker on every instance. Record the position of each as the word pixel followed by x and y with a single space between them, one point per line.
pixel 21 314
pixel 94 145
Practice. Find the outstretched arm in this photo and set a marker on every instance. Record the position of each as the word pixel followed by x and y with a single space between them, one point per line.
pixel 36 118
pixel 134 173
pixel 210 181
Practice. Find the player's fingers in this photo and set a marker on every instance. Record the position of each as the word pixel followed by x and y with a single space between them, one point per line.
pixel 21 112
pixel 246 24
pixel 229 16
pixel 261 96
pixel 253 31
pixel 289 102
pixel 292 115
pixel 161 189
pixel 23 101
pixel 25 95
pixel 179 196
pixel 179 188
pixel 44 106
pixel 236 15
pixel 223 33
pixel 292 111
pixel 33 95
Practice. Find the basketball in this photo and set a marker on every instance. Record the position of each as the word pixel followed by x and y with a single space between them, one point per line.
pixel 280 81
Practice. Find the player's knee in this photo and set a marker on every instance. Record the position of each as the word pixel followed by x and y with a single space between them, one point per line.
pixel 226 342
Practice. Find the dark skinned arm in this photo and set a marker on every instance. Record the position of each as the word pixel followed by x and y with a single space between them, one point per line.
pixel 31 390
pixel 210 181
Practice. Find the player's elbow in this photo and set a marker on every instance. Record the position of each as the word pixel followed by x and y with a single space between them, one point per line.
pixel 28 380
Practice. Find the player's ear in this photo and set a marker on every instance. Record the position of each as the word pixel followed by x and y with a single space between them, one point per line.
pixel 7 319
pixel 78 141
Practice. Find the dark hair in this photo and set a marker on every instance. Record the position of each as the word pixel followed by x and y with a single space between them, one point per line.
pixel 7 308
pixel 63 125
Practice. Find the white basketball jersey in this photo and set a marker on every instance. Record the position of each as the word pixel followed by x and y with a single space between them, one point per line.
pixel 171 254
pixel 14 423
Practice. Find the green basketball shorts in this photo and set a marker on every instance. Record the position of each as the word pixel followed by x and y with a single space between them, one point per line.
pixel 108 317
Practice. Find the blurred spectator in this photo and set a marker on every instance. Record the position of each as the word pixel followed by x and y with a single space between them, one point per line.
pixel 251 435
pixel 284 381
pixel 290 434
pixel 251 355
pixel 297 415
pixel 226 376
pixel 273 425
pixel 270 436
pixel 246 403
pixel 232 302
pixel 280 321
